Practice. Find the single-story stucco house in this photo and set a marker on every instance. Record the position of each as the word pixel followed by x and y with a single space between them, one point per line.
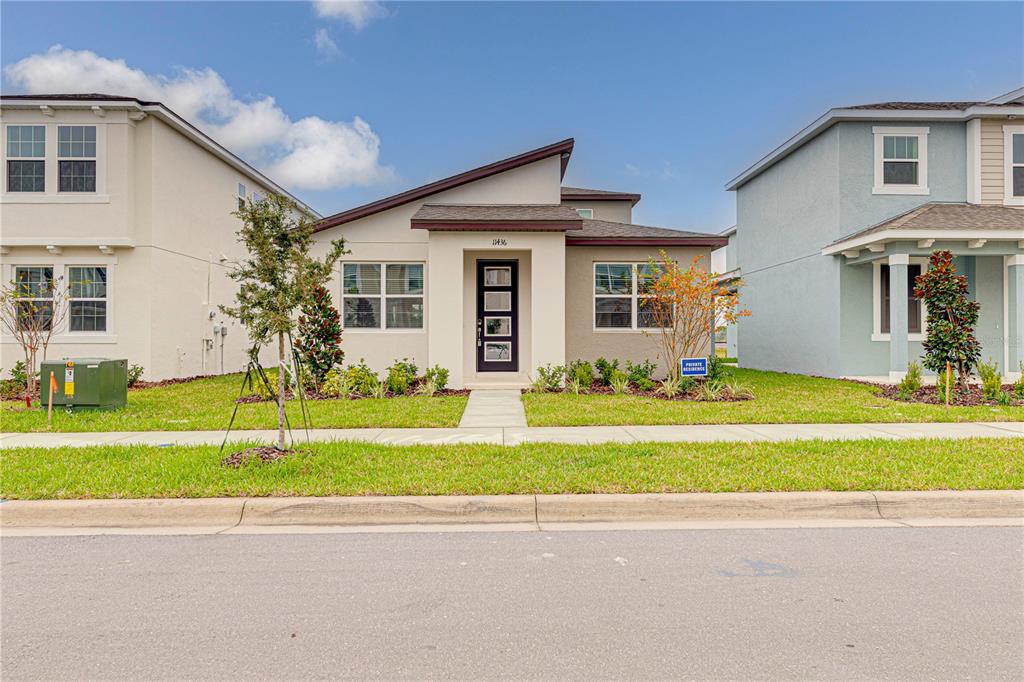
pixel 489 273
pixel 834 225
pixel 501 269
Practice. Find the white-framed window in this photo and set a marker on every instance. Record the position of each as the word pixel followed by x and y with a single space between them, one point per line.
pixel 916 311
pixel 241 196
pixel 87 293
pixel 901 160
pixel 1013 165
pixel 256 197
pixel 34 284
pixel 76 158
pixel 382 295
pixel 585 212
pixel 620 296
pixel 26 158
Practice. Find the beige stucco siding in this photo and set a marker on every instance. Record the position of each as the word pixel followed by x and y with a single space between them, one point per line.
pixel 582 341
pixel 992 157
pixel 615 211
pixel 387 237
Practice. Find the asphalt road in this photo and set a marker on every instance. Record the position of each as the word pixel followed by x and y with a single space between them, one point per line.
pixel 855 603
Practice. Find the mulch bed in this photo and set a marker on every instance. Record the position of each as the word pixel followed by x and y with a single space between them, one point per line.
pixel 169 382
pixel 930 395
pixel 313 395
pixel 597 388
pixel 257 455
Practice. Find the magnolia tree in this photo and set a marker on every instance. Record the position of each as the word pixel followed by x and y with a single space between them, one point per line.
pixel 30 310
pixel 276 279
pixel 319 338
pixel 952 317
pixel 688 305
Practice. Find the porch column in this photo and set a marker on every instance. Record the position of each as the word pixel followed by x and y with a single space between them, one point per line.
pixel 444 305
pixel 898 320
pixel 1015 317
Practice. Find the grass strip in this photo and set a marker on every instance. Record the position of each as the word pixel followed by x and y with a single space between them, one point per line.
pixel 342 468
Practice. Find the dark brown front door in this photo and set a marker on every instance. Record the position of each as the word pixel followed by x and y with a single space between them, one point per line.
pixel 497 321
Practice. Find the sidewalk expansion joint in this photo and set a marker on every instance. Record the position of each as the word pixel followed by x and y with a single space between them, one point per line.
pixel 241 515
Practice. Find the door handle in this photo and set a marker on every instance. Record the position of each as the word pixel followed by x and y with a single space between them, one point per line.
pixel 479 323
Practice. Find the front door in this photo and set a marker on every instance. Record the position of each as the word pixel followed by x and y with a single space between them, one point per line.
pixel 497 321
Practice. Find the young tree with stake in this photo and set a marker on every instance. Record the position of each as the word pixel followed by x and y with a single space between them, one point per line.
pixel 277 277
pixel 30 311
pixel 686 305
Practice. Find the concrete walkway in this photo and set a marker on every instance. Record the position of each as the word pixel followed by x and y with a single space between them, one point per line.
pixel 494 407
pixel 534 434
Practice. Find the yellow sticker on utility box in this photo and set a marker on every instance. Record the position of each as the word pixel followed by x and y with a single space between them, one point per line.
pixel 69 378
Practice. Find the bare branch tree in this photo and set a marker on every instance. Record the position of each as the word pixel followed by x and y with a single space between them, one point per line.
pixel 31 310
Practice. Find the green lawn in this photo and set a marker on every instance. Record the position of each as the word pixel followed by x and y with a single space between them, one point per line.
pixel 780 399
pixel 206 404
pixel 340 468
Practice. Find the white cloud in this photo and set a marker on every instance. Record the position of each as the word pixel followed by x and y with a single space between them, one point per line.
pixel 309 153
pixel 359 13
pixel 325 46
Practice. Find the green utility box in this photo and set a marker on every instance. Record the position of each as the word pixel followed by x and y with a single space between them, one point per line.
pixel 85 383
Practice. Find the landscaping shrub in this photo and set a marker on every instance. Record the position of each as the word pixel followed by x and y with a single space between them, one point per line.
pixel 1018 387
pixel 718 371
pixel 549 378
pixel 426 388
pixel 687 384
pixel 573 385
pixel 438 376
pixel 582 372
pixel 401 376
pixel 336 384
pixel 14 388
pixel 318 340
pixel 940 385
pixel 670 387
pixel 607 370
pixel 738 390
pixel 911 383
pixel 361 378
pixel 619 381
pixel 991 379
pixel 1004 399
pixel 710 391
pixel 640 374
pixel 134 374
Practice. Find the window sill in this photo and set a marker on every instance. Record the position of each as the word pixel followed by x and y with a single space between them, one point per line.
pixel 43 198
pixel 888 337
pixel 612 330
pixel 1013 201
pixel 901 190
pixel 363 330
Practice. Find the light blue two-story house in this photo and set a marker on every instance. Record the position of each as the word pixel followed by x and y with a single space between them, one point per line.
pixel 834 225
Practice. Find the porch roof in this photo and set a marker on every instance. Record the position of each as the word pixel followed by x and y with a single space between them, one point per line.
pixel 514 217
pixel 940 221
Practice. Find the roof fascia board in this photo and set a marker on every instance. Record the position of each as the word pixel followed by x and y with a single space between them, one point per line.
pixel 618 196
pixel 1010 96
pixel 907 235
pixel 178 123
pixel 837 115
pixel 572 240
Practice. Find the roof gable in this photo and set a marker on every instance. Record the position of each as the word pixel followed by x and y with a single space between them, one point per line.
pixel 563 149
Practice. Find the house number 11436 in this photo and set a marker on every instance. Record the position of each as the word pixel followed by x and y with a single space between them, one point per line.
pixel 499 242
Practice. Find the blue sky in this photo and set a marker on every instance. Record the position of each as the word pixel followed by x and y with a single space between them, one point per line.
pixel 667 99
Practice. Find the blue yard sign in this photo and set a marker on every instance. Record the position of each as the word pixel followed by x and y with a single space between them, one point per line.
pixel 693 367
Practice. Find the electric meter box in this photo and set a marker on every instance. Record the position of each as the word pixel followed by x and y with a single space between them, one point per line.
pixel 85 383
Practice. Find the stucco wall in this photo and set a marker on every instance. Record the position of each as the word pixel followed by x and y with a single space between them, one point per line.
pixel 859 208
pixel 387 237
pixel 615 211
pixel 582 341
pixel 784 216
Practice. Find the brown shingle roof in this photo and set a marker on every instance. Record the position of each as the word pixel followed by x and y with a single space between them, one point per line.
pixel 585 194
pixel 949 216
pixel 82 97
pixel 608 232
pixel 536 217
pixel 918 106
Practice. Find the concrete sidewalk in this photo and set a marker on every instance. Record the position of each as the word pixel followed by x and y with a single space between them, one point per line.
pixel 537 434
pixel 526 511
pixel 494 408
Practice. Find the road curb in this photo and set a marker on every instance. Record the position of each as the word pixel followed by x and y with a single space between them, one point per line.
pixel 509 509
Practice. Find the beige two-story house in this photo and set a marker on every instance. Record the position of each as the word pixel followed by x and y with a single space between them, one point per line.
pixel 131 205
